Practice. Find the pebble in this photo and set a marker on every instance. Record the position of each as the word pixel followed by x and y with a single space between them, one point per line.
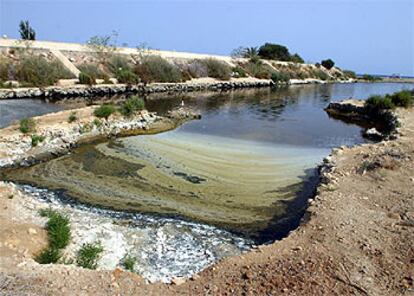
pixel 178 281
pixel 32 231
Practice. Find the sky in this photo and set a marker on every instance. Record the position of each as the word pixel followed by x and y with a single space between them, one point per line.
pixel 366 36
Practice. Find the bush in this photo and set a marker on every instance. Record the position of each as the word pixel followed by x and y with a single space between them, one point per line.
pixel 96 122
pixel 217 69
pixel 131 105
pixel 88 255
pixel 127 76
pixel 48 256
pixel 37 139
pixel 258 70
pixel 328 64
pixel 375 104
pixel 402 99
pixel 197 69
pixel 274 52
pixel 92 70
pixel 239 72
pixel 350 74
pixel 117 63
pixel 157 69
pixel 58 231
pixel 129 262
pixel 280 77
pixel 38 71
pixel 27 125
pixel 320 74
pixel 104 111
pixel 85 78
pixel 72 117
pixel 297 59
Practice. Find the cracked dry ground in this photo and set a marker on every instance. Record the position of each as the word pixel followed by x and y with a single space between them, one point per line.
pixel 356 239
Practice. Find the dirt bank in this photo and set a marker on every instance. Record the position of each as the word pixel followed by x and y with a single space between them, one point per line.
pixel 355 239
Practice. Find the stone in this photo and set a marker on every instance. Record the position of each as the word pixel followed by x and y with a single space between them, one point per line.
pixel 178 281
pixel 32 231
pixel 373 134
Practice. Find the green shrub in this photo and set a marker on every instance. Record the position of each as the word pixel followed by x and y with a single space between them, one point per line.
pixel 92 70
pixel 258 70
pixel 85 128
pixel 104 111
pixel 375 104
pixel 402 99
pixel 239 72
pixel 280 77
pixel 129 262
pixel 85 78
pixel 297 59
pixel 58 231
pixel 157 69
pixel 320 74
pixel 5 69
pixel 274 52
pixel 88 255
pixel 27 125
pixel 48 256
pixel 72 117
pixel 117 63
pixel 96 122
pixel 36 139
pixel 127 76
pixel 328 64
pixel 131 105
pixel 350 74
pixel 217 69
pixel 38 71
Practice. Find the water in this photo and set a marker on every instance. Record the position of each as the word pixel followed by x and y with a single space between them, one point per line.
pixel 240 175
pixel 14 110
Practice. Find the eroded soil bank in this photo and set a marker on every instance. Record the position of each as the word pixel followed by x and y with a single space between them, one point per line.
pixel 355 239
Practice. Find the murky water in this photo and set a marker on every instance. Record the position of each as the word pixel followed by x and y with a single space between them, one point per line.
pixel 14 110
pixel 240 175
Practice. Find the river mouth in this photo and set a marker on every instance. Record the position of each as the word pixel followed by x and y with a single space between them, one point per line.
pixel 242 173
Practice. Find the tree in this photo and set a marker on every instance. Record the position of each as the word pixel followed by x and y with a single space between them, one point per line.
pixel 297 59
pixel 328 64
pixel 26 31
pixel 274 52
pixel 251 53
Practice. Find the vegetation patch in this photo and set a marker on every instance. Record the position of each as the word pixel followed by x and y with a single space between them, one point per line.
pixel 258 69
pixel 27 125
pixel 85 78
pixel 217 69
pixel 38 71
pixel 156 69
pixel 72 117
pixel 131 105
pixel 36 139
pixel 104 111
pixel 58 229
pixel 127 76
pixel 88 255
pixel 280 77
pixel 129 262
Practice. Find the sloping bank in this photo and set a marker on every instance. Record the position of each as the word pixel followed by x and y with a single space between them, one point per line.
pixel 355 239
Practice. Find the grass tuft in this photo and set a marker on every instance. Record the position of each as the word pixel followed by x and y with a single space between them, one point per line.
pixel 88 255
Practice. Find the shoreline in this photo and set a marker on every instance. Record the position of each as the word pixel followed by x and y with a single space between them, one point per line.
pixel 345 229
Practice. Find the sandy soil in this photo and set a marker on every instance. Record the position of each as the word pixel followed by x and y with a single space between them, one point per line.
pixel 356 239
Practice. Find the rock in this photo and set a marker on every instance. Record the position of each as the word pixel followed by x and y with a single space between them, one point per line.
pixel 32 231
pixel 373 134
pixel 178 281
pixel 394 215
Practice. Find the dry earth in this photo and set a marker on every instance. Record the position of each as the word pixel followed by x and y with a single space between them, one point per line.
pixel 356 239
